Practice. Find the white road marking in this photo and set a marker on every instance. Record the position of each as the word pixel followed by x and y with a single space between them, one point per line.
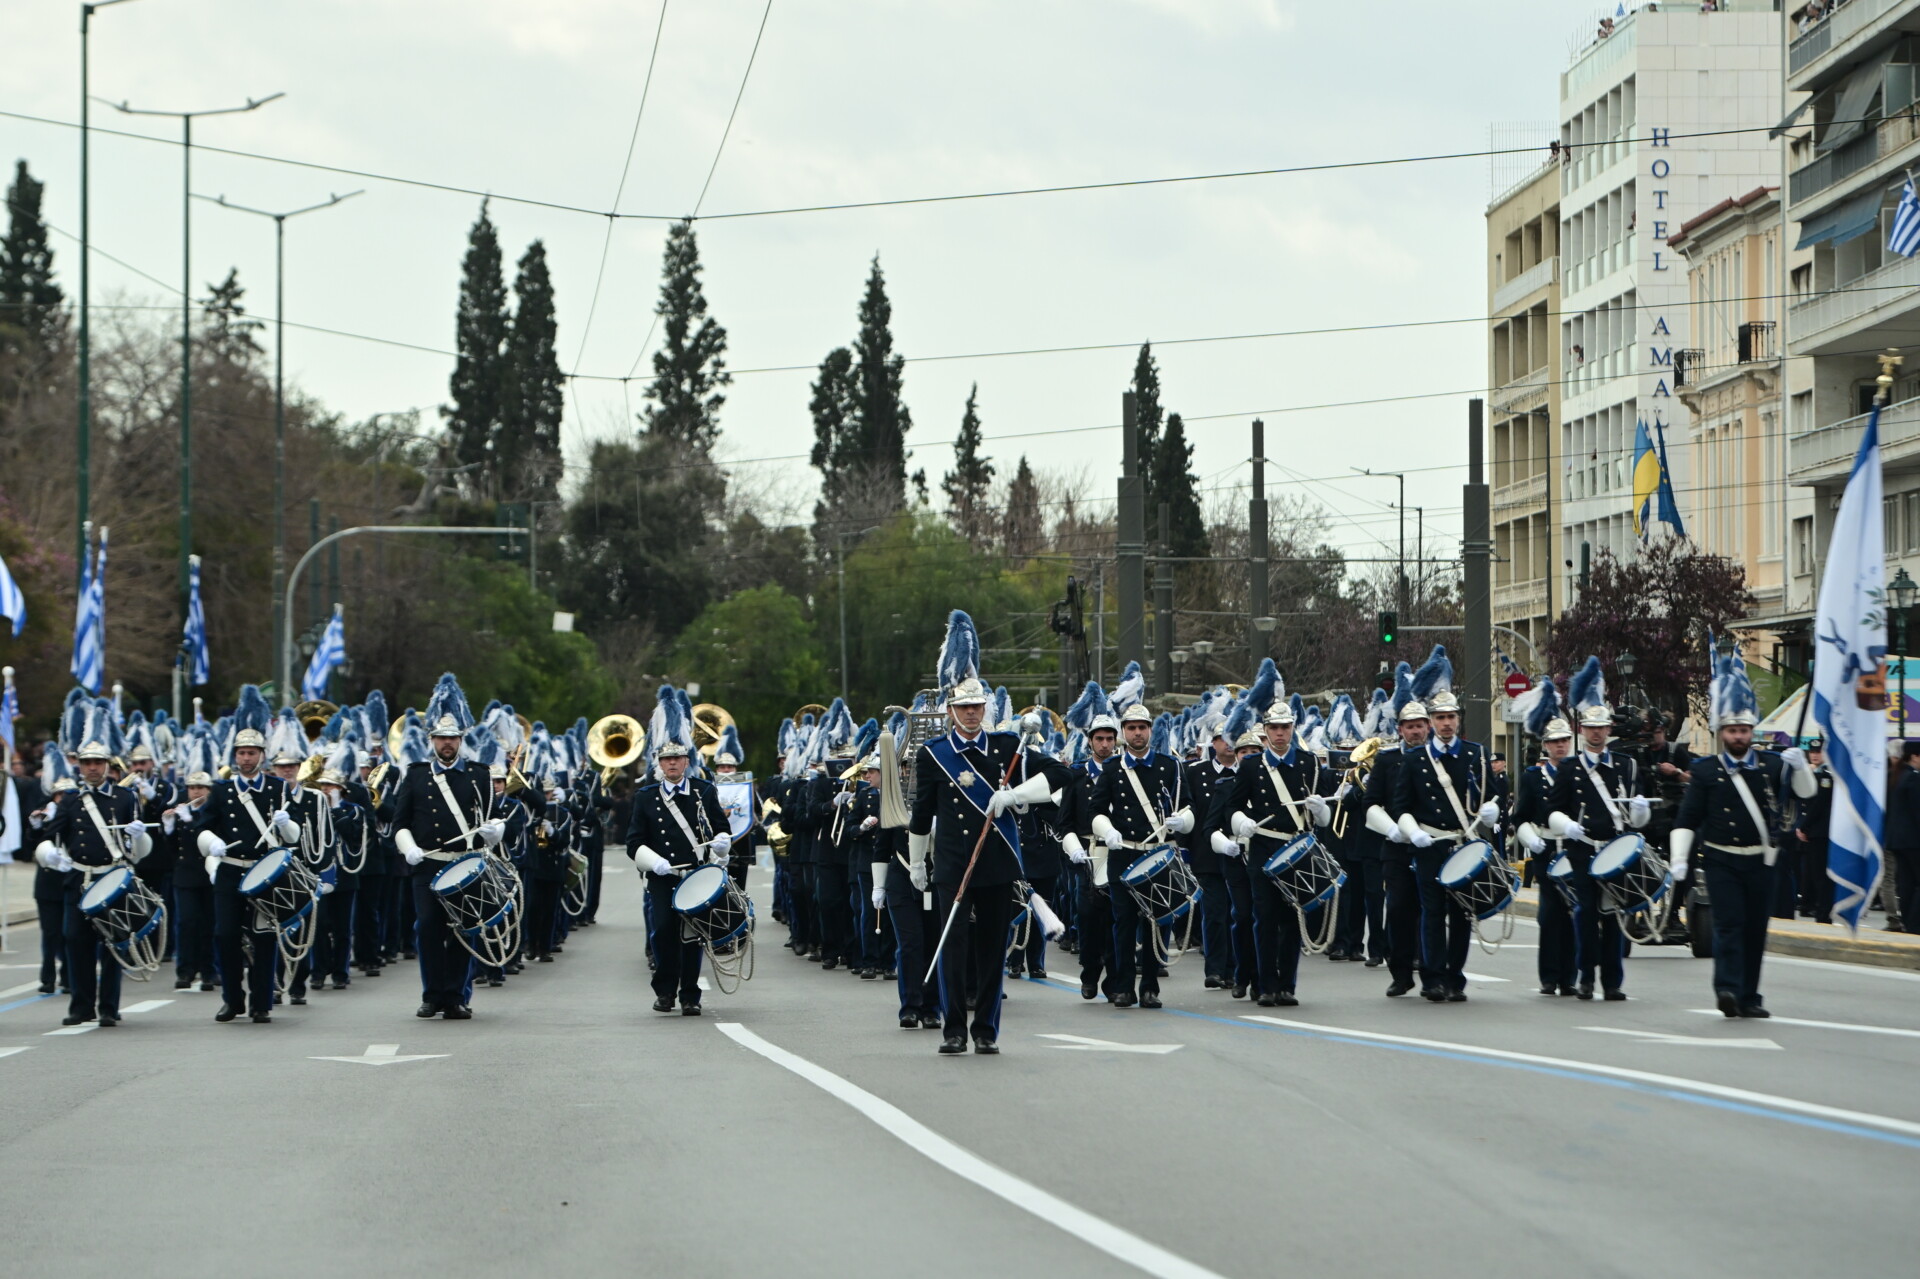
pixel 1885 1123
pixel 22 989
pixel 1661 1037
pixel 81 1029
pixel 1483 978
pixel 1826 1025
pixel 383 1055
pixel 1865 970
pixel 963 1163
pixel 1080 1043
pixel 145 1006
pixel 8 1052
pixel 703 983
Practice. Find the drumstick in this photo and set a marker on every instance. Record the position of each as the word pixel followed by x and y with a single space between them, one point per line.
pixel 967 876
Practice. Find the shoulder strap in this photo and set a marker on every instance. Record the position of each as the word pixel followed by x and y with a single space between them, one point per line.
pixel 453 806
pixel 1767 849
pixel 1146 805
pixel 1439 766
pixel 1286 796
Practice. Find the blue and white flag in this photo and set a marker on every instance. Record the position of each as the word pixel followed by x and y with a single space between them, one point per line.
pixel 1849 678
pixel 193 640
pixel 331 653
pixel 13 601
pixel 1904 237
pixel 89 664
pixel 9 712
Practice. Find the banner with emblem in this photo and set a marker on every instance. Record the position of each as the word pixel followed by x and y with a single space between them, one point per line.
pixel 737 799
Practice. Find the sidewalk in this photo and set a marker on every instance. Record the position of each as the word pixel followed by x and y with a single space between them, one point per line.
pixel 1804 939
pixel 16 892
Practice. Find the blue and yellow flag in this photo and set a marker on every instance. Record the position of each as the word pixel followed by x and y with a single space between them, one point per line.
pixel 1652 486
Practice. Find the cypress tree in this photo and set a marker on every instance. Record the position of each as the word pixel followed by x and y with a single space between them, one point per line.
pixel 229 335
pixel 29 299
pixel 527 447
pixel 1022 530
pixel 480 365
pixel 1147 411
pixel 1173 483
pixel 690 368
pixel 883 419
pixel 836 453
pixel 971 478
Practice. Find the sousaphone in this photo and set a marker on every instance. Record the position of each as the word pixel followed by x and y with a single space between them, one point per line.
pixel 615 742
pixel 710 723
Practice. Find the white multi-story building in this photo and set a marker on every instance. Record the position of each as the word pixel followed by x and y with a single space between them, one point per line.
pixel 1634 106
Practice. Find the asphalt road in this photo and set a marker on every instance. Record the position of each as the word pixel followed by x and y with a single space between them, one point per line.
pixel 794 1130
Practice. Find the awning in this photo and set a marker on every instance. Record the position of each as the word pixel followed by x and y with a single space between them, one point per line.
pixel 1792 116
pixel 1845 222
pixel 1851 108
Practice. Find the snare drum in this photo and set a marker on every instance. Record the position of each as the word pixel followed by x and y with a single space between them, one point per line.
pixel 474 894
pixel 282 885
pixel 713 908
pixel 1631 876
pixel 1305 872
pixel 1477 879
pixel 122 909
pixel 1560 875
pixel 1162 884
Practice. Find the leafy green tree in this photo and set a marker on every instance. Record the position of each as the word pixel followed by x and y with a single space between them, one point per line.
pixel 971 478
pixel 755 653
pixel 690 368
pixel 480 369
pixel 30 302
pixel 533 394
pixel 1172 482
pixel 638 534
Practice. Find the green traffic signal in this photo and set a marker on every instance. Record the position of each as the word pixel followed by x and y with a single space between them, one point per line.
pixel 1389 627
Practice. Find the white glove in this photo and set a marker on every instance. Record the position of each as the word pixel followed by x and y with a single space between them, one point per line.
pixel 879 896
pixel 1319 809
pixel 1793 757
pixel 1531 839
pixel 213 868
pixel 184 812
pixel 1638 811
pixel 409 847
pixel 1076 851
pixel 1000 801
pixel 491 832
pixel 139 843
pixel 1679 844
pixel 1575 831
pixel 168 820
pixel 49 854
pixel 917 874
pixel 1180 823
pixel 844 798
pixel 1222 843
pixel 720 844
pixel 1420 839
pixel 919 848
pixel 211 845
pixel 869 823
pixel 1489 814
pixel 1105 831
pixel 285 828
pixel 1242 825
pixel 324 888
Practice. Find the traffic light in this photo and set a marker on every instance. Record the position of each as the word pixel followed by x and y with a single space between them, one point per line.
pixel 1389 627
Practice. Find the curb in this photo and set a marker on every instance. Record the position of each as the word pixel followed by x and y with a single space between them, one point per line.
pixel 1798 941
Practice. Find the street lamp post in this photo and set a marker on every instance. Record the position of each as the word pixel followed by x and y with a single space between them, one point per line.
pixel 1400 595
pixel 279 392
pixel 1903 590
pixel 186 119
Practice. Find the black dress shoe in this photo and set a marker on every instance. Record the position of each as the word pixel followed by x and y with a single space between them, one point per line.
pixel 262 1019
pixel 107 1019
pixel 869 974
pixel 1616 996
pixel 459 1012
pixel 690 1010
pixel 1089 989
pixel 889 974
pixel 664 1004
pixel 427 1010
pixel 1399 987
pixel 1124 999
pixel 1239 992
pixel 953 1045
pixel 828 965
pixel 46 990
pixel 1149 999
pixel 910 1022
pixel 75 1021
pixel 1375 963
pixel 1746 1010
pixel 931 1020
pixel 1015 973
pixel 1264 1000
pixel 1568 992
pixel 1586 990
pixel 986 1047
pixel 1548 988
pixel 494 982
pixel 179 983
pixel 225 1014
pixel 1037 974
pixel 1728 1003
pixel 1286 1000
pixel 1434 995
pixel 298 1000
pixel 208 986
pixel 1213 983
pixel 1456 996
pixel 1337 956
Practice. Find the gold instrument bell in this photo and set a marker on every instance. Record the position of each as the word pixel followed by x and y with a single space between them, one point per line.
pixel 615 742
pixel 310 769
pixel 314 716
pixel 710 723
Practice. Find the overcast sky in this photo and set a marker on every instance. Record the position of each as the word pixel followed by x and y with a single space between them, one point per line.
pixel 851 100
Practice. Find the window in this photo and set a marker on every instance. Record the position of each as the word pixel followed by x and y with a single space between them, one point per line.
pixel 1770 446
pixel 1890 516
pixel 1803 546
pixel 1911 501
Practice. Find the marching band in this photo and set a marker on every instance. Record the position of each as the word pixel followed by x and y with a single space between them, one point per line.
pixel 943 850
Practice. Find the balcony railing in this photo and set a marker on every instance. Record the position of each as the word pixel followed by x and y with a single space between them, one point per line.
pixel 1525 387
pixel 1848 19
pixel 1887 290
pixel 1520 600
pixel 1686 364
pixel 1530 491
pixel 1827 452
pixel 1532 280
pixel 1888 136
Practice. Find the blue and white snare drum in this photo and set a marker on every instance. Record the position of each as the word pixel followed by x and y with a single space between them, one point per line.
pixel 129 917
pixel 716 913
pixel 1632 877
pixel 1478 880
pixel 1162 883
pixel 478 896
pixel 1306 873
pixel 1560 875
pixel 283 889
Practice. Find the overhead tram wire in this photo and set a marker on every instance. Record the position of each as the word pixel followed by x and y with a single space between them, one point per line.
pixel 606 241
pixel 653 326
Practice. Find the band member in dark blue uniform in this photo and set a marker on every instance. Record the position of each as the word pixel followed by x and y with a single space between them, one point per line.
pixel 1219 938
pixel 1088 857
pixel 1138 804
pixel 676 824
pixel 1531 813
pixel 1411 726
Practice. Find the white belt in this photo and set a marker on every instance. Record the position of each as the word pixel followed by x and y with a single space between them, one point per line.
pixel 1740 850
pixel 448 855
pixel 1454 836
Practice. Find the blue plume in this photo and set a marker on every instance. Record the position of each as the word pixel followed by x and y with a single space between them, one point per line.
pixel 1240 720
pixel 1538 705
pixel 1091 704
pixel 784 739
pixel 836 730
pixel 1298 705
pixel 447 699
pixel 866 738
pixel 374 711
pixel 1131 688
pixel 1377 721
pixel 1343 722
pixel 1002 707
pixel 960 654
pixel 1265 687
pixel 73 721
pixel 897 725
pixel 1588 687
pixel 1434 676
pixel 1402 689
pixel 253 711
pixel 1160 741
pixel 730 744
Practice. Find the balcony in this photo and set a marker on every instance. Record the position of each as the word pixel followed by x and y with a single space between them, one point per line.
pixel 1518 601
pixel 1826 453
pixel 1522 392
pixel 1528 282
pixel 1530 493
pixel 1887 138
pixel 1884 301
pixel 1834 34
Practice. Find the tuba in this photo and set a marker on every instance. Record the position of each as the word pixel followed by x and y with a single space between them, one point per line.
pixel 615 742
pixel 314 716
pixel 710 723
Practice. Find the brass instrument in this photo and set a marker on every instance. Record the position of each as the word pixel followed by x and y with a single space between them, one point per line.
pixel 897 780
pixel 396 735
pixel 814 709
pixel 615 742
pixel 516 779
pixel 378 779
pixel 710 721
pixel 1359 765
pixel 310 769
pixel 314 716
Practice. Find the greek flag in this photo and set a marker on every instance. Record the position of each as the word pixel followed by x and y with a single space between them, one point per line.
pixel 193 641
pixel 331 653
pixel 9 712
pixel 90 622
pixel 13 602
pixel 1851 626
pixel 1904 238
